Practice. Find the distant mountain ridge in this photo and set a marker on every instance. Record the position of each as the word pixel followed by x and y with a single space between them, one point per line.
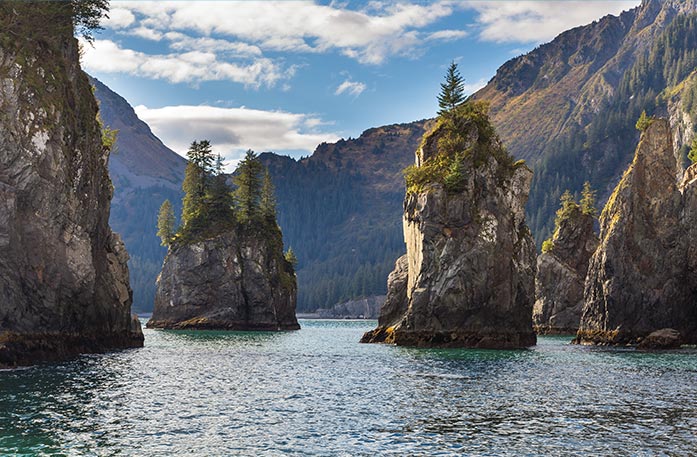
pixel 144 172
pixel 568 107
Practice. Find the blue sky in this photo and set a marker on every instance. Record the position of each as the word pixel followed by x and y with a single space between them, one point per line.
pixel 285 76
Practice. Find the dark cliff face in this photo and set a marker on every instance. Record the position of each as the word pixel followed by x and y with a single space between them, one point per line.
pixel 641 277
pixel 468 277
pixel 561 273
pixel 64 286
pixel 234 281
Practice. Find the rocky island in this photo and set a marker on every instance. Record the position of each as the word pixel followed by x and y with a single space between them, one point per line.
pixel 641 280
pixel 225 267
pixel 562 266
pixel 64 285
pixel 468 277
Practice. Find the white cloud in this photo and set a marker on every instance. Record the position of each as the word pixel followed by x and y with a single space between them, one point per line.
pixel 179 42
pixel 369 35
pixel 148 34
pixel 119 18
pixel 447 35
pixel 539 21
pixel 234 130
pixel 350 87
pixel 186 67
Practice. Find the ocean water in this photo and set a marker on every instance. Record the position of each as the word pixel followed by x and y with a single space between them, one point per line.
pixel 318 392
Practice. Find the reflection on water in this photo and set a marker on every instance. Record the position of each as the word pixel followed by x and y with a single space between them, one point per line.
pixel 317 391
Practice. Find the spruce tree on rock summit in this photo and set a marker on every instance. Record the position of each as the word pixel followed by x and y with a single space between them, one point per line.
pixel 165 223
pixel 452 91
pixel 249 184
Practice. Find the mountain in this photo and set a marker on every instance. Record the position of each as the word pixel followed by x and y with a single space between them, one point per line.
pixel 569 106
pixel 340 210
pixel 145 172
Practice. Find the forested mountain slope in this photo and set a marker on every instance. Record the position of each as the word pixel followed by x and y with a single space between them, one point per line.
pixel 340 210
pixel 569 107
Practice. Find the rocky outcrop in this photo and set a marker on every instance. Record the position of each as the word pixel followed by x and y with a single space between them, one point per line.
pixel 64 285
pixel 666 338
pixel 642 276
pixel 234 281
pixel 561 273
pixel 468 277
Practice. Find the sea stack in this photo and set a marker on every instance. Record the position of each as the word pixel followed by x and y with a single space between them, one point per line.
pixel 64 285
pixel 642 277
pixel 468 277
pixel 227 270
pixel 562 268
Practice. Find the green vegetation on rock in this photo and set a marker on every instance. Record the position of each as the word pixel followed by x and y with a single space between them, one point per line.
pixel 465 138
pixel 643 122
pixel 166 223
pixel 569 209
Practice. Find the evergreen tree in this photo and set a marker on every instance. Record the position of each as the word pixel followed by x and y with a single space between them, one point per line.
pixel 290 257
pixel 193 202
pixel 643 122
pixel 452 91
pixel 200 154
pixel 568 207
pixel 588 200
pixel 692 155
pixel 219 197
pixel 165 223
pixel 268 199
pixel 248 182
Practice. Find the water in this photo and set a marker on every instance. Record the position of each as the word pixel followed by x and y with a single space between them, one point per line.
pixel 317 391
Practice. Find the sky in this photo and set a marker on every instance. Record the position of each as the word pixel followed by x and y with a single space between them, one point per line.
pixel 286 76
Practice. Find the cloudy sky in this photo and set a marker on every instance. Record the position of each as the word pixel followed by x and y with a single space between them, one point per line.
pixel 285 76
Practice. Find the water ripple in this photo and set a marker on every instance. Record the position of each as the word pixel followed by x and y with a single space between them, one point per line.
pixel 318 392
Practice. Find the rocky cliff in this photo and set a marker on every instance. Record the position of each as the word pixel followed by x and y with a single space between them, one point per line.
pixel 145 173
pixel 561 274
pixel 64 286
pixel 641 278
pixel 235 281
pixel 569 106
pixel 468 276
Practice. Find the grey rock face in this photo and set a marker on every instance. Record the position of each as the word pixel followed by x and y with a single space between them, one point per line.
pixel 233 281
pixel 468 277
pixel 641 278
pixel 561 273
pixel 64 285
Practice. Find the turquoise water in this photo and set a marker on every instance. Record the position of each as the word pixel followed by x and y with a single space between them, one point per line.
pixel 317 391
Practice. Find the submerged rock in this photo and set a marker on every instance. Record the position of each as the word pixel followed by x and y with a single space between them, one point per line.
pixel 235 281
pixel 642 276
pixel 64 285
pixel 561 273
pixel 468 277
